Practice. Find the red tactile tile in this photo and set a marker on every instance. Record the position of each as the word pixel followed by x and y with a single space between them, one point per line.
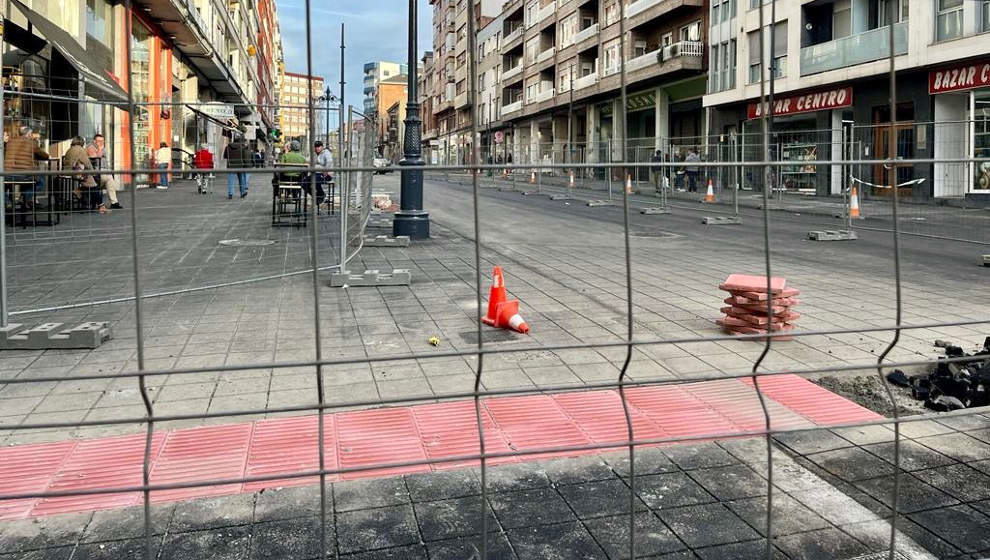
pixel 382 435
pixel 748 283
pixel 201 454
pixel 100 463
pixel 815 403
pixel 534 422
pixel 451 429
pixel 601 417
pixel 678 412
pixel 29 468
pixel 740 404
pixel 288 445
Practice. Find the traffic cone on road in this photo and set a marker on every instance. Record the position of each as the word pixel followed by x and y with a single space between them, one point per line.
pixel 629 184
pixel 496 296
pixel 710 194
pixel 854 203
pixel 509 318
pixel 532 177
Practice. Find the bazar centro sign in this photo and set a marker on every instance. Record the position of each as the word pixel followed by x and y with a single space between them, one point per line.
pixel 805 102
pixel 963 76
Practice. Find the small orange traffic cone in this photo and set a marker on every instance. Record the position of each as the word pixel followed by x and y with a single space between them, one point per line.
pixel 710 194
pixel 629 184
pixel 854 203
pixel 496 296
pixel 532 177
pixel 509 318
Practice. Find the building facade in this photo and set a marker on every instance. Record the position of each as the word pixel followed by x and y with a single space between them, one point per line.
pixel 390 114
pixel 374 74
pixel 297 90
pixel 830 65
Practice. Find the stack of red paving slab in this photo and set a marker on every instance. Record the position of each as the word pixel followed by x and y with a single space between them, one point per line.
pixel 748 310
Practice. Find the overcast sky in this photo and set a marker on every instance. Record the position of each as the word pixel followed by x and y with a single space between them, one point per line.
pixel 373 30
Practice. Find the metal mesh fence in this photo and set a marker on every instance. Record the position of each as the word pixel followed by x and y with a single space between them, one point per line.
pixel 549 166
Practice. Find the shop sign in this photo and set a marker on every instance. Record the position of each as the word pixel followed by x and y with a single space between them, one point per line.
pixel 805 103
pixel 955 78
pixel 219 111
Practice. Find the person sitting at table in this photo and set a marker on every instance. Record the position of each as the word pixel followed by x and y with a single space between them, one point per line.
pixel 289 158
pixel 76 159
pixel 22 154
pixel 97 156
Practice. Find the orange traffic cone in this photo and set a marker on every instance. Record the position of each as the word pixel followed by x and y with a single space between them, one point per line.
pixel 854 203
pixel 509 318
pixel 710 194
pixel 629 184
pixel 571 180
pixel 532 177
pixel 496 296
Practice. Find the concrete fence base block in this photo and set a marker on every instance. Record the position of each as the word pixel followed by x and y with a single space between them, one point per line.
pixel 506 189
pixel 53 336
pixel 398 277
pixel 561 197
pixel 721 220
pixel 597 203
pixel 832 235
pixel 655 210
pixel 986 260
pixel 386 241
pixel 379 222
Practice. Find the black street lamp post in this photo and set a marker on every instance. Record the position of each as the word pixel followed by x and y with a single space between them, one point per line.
pixel 411 219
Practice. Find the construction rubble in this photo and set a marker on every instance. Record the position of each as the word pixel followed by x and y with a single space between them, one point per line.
pixel 953 384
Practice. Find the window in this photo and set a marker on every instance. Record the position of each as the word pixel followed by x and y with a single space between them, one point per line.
pixel 986 16
pixel 949 21
pixel 728 9
pixel 611 58
pixel 780 49
pixel 754 57
pixel 97 14
pixel 611 13
pixel 481 80
pixel 716 9
pixel 691 32
pixel 639 48
pixel 667 39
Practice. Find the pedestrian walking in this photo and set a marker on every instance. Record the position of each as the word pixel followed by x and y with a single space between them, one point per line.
pixel 658 177
pixel 691 169
pixel 163 159
pixel 324 160
pixel 237 156
pixel 96 151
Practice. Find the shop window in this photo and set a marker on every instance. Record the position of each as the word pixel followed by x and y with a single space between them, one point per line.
pixel 986 16
pixel 98 15
pixel 949 21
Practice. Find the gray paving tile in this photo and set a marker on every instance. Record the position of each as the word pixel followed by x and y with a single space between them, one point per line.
pixel 378 528
pixel 652 536
pixel 370 493
pixel 963 526
pixel 707 525
pixel 289 538
pixel 824 544
pixel 228 543
pixel 731 483
pixel 671 490
pixel 450 519
pixel 564 541
pixel 541 506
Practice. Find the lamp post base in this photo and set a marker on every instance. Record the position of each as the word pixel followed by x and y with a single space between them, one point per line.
pixel 413 223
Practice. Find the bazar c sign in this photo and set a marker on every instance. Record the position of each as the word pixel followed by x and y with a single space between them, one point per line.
pixel 955 78
pixel 805 103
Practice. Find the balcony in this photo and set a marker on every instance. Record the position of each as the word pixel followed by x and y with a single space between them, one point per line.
pixel 545 55
pixel 513 107
pixel 513 72
pixel 643 60
pixel 544 95
pixel 684 48
pixel 640 6
pixel 545 12
pixel 855 49
pixel 586 81
pixel 461 100
pixel 586 33
pixel 516 34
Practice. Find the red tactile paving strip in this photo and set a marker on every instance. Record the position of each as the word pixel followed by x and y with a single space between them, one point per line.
pixel 393 435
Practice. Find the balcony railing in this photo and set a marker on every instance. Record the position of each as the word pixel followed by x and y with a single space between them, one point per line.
pixel 586 33
pixel 515 34
pixel 461 100
pixel 684 48
pixel 640 6
pixel 512 107
pixel 855 49
pixel 586 81
pixel 543 96
pixel 512 72
pixel 545 12
pixel 545 55
pixel 643 60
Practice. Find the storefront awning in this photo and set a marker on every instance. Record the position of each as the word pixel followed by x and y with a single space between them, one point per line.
pixel 96 79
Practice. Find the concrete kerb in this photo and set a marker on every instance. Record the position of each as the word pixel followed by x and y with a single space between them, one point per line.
pixel 832 235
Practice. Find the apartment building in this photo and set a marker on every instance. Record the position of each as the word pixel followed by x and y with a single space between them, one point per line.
pixel 830 67
pixel 297 90
pixel 425 89
pixel 560 76
pixel 374 74
pixel 391 114
pixel 489 93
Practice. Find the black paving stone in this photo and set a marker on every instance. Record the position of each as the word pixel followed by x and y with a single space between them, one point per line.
pixel 699 456
pixel 126 523
pixel 589 468
pixel 297 538
pixel 983 506
pixel 963 526
pixel 851 464
pixel 599 499
pixel 652 536
pixel 707 525
pixel 443 485
pixel 470 547
pixel 959 481
pixel 371 493
pixel 415 552
pixel 958 446
pixel 731 483
pixel 229 543
pixel 671 490
pixel 815 441
pixel 824 544
pixel 925 538
pixel 517 476
pixel 531 507
pixel 915 495
pixel 372 529
pixel 914 456
pixel 565 541
pixel 737 551
pixel 449 519
pixel 651 460
pixel 56 553
pixel 115 550
pixel 285 503
pixel 42 532
pixel 789 515
pixel 209 513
